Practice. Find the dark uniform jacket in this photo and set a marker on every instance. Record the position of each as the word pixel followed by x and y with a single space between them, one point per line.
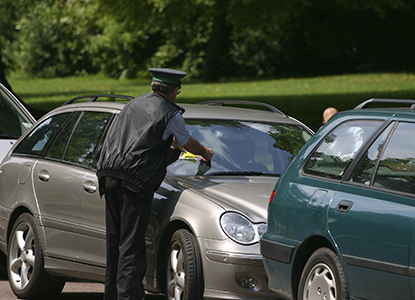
pixel 134 151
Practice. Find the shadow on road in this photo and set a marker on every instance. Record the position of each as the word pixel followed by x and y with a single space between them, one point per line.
pixel 77 296
pixel 71 291
pixel 3 273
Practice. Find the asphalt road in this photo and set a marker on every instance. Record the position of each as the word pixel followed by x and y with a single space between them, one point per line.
pixel 71 291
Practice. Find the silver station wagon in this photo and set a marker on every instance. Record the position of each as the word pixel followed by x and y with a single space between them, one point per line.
pixel 206 220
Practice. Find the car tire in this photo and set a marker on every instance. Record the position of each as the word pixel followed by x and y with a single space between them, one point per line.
pixel 184 276
pixel 25 266
pixel 323 277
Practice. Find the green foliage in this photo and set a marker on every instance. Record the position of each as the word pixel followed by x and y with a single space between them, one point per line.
pixel 187 28
pixel 51 39
pixel 210 39
pixel 116 52
pixel 60 38
pixel 332 37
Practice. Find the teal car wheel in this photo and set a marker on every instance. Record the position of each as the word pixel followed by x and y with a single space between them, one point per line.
pixel 323 277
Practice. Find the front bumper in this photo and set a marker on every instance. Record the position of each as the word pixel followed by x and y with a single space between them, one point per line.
pixel 233 271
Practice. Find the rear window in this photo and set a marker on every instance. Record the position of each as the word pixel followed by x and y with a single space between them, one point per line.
pixel 390 162
pixel 73 138
pixel 339 148
pixel 37 140
pixel 85 138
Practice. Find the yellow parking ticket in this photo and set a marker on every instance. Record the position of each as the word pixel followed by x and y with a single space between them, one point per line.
pixel 189 156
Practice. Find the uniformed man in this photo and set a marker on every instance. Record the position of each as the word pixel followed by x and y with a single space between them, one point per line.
pixel 131 168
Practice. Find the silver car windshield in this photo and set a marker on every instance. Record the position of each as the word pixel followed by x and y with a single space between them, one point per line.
pixel 241 147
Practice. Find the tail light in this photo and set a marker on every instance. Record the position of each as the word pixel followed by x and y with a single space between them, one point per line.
pixel 272 196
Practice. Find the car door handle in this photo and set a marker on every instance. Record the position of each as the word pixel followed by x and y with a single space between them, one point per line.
pixel 90 187
pixel 344 206
pixel 43 176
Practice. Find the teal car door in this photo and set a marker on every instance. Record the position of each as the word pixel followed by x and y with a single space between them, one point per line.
pixel 372 235
pixel 371 217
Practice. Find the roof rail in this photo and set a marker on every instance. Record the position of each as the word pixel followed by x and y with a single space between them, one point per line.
pixel 93 98
pixel 222 102
pixel 366 103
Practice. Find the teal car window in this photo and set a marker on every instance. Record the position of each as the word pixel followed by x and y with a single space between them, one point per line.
pixel 364 170
pixel 242 147
pixel 38 140
pixel 85 138
pixel 339 148
pixel 396 169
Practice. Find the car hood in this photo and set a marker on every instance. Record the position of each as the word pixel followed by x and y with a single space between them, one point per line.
pixel 246 194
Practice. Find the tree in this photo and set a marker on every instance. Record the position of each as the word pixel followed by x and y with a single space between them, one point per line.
pixel 345 36
pixel 9 12
pixel 210 39
pixel 61 38
pixel 202 29
pixel 53 38
pixel 3 78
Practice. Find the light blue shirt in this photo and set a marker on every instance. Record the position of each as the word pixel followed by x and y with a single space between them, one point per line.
pixel 176 127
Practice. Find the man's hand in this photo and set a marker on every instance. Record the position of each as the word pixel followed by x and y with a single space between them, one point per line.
pixel 208 154
pixel 193 146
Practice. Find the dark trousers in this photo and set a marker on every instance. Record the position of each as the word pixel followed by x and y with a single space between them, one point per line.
pixel 127 215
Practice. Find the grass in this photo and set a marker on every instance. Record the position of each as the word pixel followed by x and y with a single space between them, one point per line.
pixel 302 98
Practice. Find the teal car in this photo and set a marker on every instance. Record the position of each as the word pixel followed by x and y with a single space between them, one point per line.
pixel 341 217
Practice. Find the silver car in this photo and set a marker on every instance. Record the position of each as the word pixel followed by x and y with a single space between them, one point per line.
pixel 206 220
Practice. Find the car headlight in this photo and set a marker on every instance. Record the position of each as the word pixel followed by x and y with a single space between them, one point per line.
pixel 240 229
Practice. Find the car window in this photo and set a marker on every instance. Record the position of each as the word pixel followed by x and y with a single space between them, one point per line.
pixel 396 169
pixel 59 145
pixel 86 137
pixel 243 146
pixel 364 170
pixel 339 148
pixel 35 142
pixel 13 122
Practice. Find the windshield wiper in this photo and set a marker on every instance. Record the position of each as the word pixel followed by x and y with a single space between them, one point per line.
pixel 241 173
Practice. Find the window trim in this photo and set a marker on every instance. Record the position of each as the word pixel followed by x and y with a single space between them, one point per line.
pixel 352 166
pixel 349 169
pixel 74 113
pixel 58 134
pixel 33 128
pixel 376 166
pixel 92 166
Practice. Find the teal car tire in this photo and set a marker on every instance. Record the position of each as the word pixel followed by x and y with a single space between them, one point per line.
pixel 323 277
